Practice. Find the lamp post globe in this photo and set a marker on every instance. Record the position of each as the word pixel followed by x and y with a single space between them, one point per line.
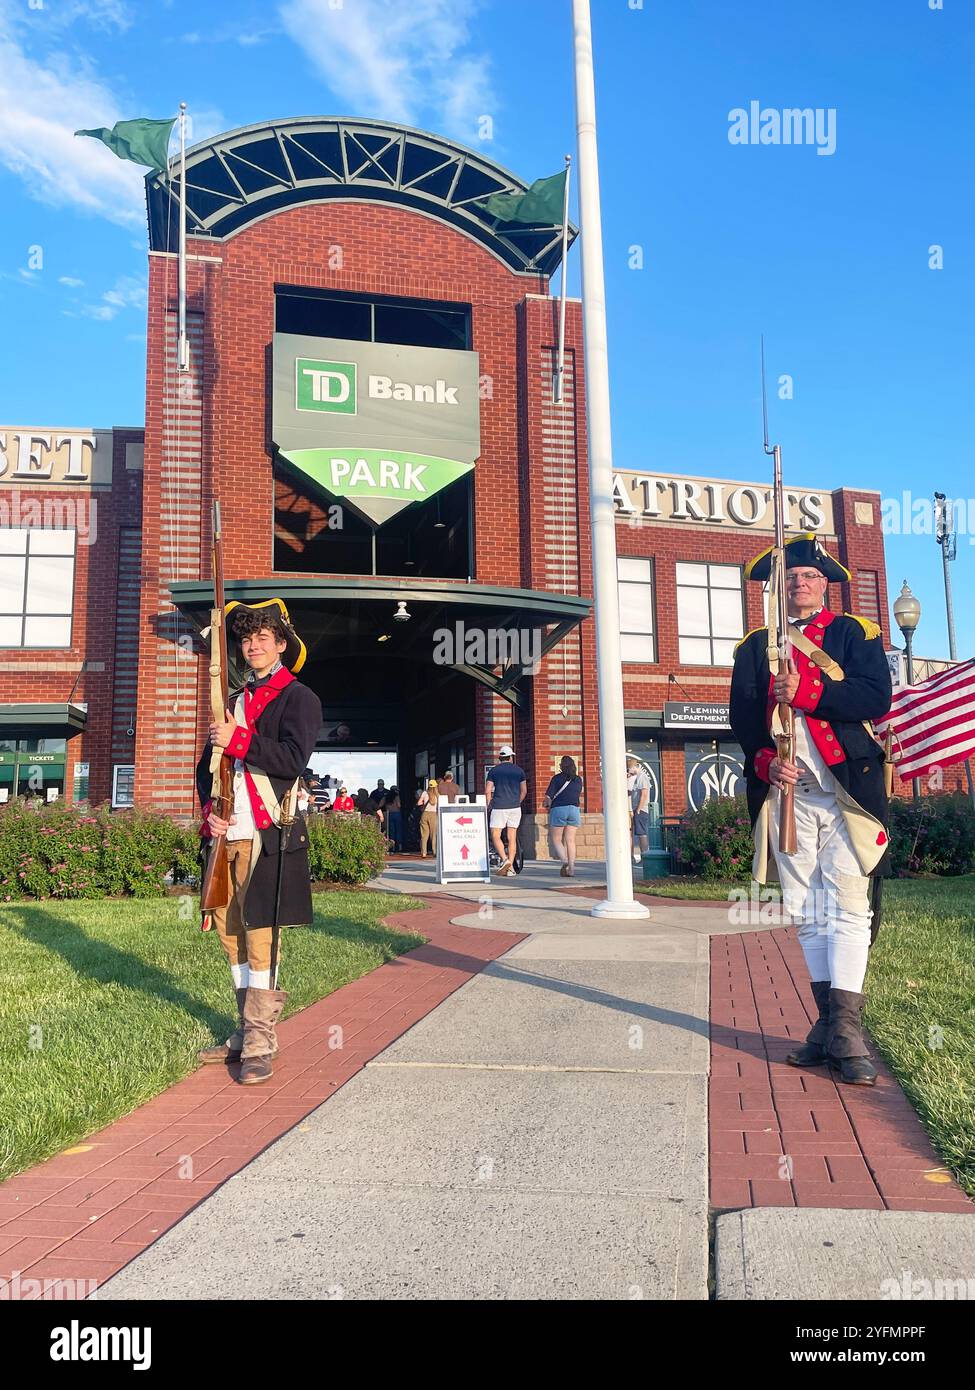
pixel 907 610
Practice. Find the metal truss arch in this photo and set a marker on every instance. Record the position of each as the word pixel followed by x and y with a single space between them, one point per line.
pixel 245 175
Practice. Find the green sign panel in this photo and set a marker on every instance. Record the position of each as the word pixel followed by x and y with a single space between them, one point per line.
pixel 380 475
pixel 376 425
pixel 329 387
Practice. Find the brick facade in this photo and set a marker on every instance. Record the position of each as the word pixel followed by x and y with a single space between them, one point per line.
pixel 207 434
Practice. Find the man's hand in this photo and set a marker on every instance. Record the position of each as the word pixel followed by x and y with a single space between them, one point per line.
pixel 221 734
pixel 218 826
pixel 785 685
pixel 781 773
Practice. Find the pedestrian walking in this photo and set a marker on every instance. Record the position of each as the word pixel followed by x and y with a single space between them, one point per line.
pixel 428 818
pixel 505 789
pixel 562 801
pixel 638 788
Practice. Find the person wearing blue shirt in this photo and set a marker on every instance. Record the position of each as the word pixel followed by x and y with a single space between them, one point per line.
pixel 506 788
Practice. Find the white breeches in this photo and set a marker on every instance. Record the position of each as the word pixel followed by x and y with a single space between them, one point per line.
pixel 824 889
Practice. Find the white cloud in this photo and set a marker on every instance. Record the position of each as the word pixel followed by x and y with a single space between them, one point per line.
pixel 406 62
pixel 70 280
pixel 126 293
pixel 41 104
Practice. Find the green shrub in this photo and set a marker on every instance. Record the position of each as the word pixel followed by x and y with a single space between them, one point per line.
pixel 344 849
pixel 62 851
pixel 716 841
pixel 935 837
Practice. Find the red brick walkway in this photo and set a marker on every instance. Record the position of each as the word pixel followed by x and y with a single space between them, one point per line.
pixel 85 1213
pixel 781 1136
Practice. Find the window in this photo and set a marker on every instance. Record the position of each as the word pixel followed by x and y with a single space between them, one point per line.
pixel 710 613
pixel 635 583
pixel 123 786
pixel 36 587
pixel 416 323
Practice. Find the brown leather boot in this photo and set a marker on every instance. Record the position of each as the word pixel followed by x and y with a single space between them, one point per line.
pixel 813 1051
pixel 262 1009
pixel 230 1050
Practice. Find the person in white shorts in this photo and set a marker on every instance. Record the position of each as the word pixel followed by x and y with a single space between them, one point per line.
pixel 506 788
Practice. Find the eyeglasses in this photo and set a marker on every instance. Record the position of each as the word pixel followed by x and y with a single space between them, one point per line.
pixel 807 576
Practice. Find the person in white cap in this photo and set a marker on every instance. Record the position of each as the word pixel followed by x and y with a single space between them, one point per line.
pixel 506 788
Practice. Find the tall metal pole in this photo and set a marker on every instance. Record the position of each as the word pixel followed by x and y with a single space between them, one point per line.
pixel 609 670
pixel 909 639
pixel 557 390
pixel 944 538
pixel 183 346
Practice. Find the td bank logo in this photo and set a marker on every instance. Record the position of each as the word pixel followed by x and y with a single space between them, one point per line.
pixel 326 386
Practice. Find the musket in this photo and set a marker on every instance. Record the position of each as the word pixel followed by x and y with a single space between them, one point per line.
pixel 783 715
pixel 215 890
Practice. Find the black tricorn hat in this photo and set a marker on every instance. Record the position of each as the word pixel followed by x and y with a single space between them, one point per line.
pixel 295 653
pixel 806 551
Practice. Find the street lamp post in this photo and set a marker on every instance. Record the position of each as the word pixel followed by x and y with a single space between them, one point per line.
pixel 907 614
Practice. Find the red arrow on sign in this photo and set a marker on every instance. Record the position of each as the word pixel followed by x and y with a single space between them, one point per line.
pixel 464 851
pixel 465 820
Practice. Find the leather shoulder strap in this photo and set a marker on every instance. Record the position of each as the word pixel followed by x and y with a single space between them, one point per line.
pixel 816 654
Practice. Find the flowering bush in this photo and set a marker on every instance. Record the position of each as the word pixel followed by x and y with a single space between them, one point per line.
pixel 935 837
pixel 344 849
pixel 716 841
pixel 62 851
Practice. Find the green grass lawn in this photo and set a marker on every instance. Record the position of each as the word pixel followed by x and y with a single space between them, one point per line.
pixel 104 1004
pixel 920 1000
pixel 921 1008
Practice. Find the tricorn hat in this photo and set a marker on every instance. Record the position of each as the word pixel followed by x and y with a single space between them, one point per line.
pixel 806 551
pixel 295 653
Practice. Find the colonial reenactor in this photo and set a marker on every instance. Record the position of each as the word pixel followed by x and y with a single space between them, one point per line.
pixel 837 681
pixel 270 732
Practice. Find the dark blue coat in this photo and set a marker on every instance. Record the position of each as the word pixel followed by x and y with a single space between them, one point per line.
pixel 283 740
pixel 836 709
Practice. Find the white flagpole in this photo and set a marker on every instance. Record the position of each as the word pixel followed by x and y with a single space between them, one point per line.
pixel 560 369
pixel 183 347
pixel 609 671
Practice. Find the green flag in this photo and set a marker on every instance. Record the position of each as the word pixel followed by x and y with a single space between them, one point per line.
pixel 543 202
pixel 142 141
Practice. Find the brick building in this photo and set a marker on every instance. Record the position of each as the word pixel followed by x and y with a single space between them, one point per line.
pixel 348 298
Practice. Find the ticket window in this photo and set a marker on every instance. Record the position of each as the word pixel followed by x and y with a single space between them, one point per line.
pixel 33 767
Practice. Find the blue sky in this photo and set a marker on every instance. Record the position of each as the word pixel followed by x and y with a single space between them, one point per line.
pixel 827 254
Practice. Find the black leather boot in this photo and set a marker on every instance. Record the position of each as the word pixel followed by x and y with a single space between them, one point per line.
pixel 846 1048
pixel 813 1051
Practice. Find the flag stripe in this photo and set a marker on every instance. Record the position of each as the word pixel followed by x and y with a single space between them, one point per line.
pixel 933 722
pixel 953 716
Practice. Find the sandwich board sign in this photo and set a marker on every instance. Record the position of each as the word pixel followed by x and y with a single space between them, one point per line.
pixel 462 843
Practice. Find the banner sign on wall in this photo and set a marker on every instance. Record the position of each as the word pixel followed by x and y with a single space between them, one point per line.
pixel 377 425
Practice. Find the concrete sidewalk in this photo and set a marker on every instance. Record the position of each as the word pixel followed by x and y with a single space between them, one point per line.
pixel 541 1134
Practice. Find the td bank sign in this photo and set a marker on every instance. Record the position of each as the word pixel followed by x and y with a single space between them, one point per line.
pixel 377 425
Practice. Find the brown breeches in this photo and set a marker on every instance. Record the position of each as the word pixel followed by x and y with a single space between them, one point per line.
pixel 242 947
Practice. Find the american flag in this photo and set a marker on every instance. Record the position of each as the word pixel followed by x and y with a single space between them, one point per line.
pixel 933 722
